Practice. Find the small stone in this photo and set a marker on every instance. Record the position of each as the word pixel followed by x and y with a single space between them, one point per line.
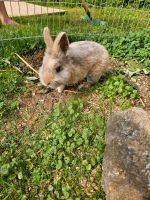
pixel 39 84
pixel 44 91
pixel 41 100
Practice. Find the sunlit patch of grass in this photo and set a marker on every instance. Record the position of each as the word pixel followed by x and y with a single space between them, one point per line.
pixel 11 85
pixel 62 159
pixel 119 21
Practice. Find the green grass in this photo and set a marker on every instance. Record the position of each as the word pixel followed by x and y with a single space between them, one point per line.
pixel 119 21
pixel 11 85
pixel 62 160
pixel 60 156
pixel 102 3
pixel 116 85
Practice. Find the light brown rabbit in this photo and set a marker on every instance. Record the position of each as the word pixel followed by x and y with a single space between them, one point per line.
pixel 67 64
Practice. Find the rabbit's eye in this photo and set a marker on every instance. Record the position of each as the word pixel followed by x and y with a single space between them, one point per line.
pixel 58 69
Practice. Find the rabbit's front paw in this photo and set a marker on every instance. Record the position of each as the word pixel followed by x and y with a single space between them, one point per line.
pixel 60 89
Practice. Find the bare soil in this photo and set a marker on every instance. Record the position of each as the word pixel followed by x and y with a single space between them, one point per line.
pixel 143 85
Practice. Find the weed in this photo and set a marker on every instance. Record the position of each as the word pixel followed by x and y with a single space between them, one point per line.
pixel 62 160
pixel 116 87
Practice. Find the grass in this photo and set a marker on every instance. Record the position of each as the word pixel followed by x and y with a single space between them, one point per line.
pixel 62 160
pixel 119 21
pixel 60 155
pixel 11 84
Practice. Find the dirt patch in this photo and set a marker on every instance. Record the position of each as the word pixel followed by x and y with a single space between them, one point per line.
pixel 35 59
pixel 35 105
pixel 143 85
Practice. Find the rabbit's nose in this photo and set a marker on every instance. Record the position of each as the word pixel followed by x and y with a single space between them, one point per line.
pixel 48 79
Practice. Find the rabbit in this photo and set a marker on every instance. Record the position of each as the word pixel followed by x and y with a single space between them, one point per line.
pixel 68 64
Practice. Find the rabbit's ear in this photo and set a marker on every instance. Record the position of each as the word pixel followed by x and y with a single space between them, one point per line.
pixel 61 43
pixel 47 38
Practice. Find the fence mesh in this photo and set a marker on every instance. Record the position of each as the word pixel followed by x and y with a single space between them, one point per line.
pixel 108 18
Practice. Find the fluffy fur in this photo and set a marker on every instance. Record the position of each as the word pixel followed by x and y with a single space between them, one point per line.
pixel 67 64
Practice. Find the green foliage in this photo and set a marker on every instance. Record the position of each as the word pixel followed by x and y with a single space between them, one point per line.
pixel 62 158
pixel 103 3
pixel 136 68
pixel 121 3
pixel 117 89
pixel 11 84
pixel 133 46
pixel 59 160
pixel 30 29
pixel 26 46
pixel 117 85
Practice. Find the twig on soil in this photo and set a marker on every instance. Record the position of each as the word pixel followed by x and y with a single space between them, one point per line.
pixel 142 102
pixel 27 64
pixel 70 91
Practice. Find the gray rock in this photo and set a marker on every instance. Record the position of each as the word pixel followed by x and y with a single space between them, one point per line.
pixel 126 164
